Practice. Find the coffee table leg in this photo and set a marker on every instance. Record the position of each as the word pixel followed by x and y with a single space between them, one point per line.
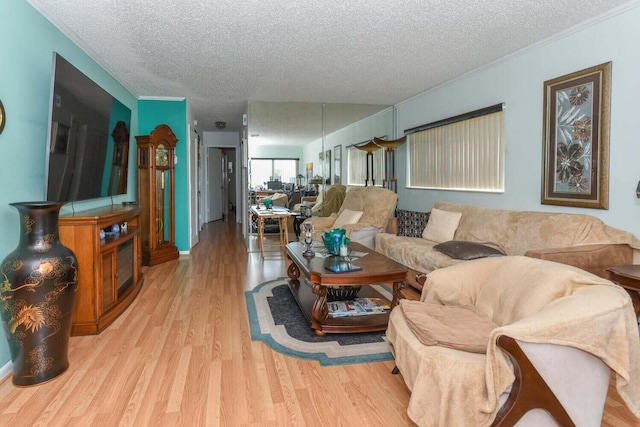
pixel 397 287
pixel 320 310
pixel 293 271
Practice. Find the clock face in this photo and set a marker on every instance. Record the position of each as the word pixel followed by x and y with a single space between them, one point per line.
pixel 162 156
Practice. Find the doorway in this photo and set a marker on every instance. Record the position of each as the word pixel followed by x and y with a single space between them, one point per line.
pixel 221 176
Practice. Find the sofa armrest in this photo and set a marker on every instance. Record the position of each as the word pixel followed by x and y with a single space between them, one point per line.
pixel 592 258
pixel 350 228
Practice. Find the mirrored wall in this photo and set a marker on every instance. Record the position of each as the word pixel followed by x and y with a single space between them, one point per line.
pixel 302 148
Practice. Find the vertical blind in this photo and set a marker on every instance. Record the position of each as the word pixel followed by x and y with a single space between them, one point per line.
pixel 464 155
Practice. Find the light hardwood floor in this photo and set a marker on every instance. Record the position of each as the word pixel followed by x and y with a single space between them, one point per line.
pixel 182 355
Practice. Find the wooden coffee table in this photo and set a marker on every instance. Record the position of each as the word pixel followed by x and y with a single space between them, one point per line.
pixel 376 268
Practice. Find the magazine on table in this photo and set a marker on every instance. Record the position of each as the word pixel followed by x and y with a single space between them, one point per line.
pixel 358 307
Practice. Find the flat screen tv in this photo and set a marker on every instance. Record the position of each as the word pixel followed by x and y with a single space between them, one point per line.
pixel 88 144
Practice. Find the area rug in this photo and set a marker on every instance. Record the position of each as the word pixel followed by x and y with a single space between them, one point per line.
pixel 276 319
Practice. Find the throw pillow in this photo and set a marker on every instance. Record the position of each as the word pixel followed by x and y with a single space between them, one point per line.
pixel 411 223
pixel 442 225
pixel 461 327
pixel 347 217
pixel 460 249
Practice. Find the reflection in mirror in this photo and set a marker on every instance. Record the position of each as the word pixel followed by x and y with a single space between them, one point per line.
pixel 119 166
pixel 308 145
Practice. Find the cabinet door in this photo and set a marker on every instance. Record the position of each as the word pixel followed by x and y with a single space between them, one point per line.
pixel 164 204
pixel 108 291
pixel 125 267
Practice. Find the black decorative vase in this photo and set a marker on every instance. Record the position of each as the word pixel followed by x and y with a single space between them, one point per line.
pixel 39 281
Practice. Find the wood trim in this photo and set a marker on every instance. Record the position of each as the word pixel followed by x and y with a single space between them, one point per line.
pixel 529 390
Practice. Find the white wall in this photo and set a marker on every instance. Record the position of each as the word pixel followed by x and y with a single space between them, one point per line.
pixel 518 81
pixel 221 139
pixel 274 151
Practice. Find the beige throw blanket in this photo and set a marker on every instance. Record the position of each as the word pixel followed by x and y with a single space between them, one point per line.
pixel 534 301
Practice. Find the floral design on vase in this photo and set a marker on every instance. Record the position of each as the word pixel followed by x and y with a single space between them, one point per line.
pixel 38 286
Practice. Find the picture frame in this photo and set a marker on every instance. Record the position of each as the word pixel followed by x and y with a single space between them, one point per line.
pixel 59 138
pixel 576 139
pixel 337 165
pixel 309 171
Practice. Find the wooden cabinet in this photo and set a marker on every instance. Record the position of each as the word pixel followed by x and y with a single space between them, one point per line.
pixel 109 269
pixel 156 182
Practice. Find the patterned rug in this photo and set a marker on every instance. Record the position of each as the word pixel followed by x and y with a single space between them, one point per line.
pixel 276 319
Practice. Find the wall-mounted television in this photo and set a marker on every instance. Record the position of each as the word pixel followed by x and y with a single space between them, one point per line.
pixel 88 143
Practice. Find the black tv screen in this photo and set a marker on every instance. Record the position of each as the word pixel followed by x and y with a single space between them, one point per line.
pixel 88 147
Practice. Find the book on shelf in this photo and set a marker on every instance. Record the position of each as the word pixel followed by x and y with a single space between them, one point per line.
pixel 358 307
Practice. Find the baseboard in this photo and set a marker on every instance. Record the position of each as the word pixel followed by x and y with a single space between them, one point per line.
pixel 6 369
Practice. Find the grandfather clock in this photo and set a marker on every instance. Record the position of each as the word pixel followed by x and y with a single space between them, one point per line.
pixel 156 195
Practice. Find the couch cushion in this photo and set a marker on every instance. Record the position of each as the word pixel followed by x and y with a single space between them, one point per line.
pixel 515 232
pixel 461 327
pixel 347 216
pixel 442 225
pixel 414 253
pixel 460 249
pixel 411 223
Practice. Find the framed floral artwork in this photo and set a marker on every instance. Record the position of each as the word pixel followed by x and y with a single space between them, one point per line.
pixel 576 139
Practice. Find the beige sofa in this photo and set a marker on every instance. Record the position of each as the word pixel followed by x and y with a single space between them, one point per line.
pixel 575 239
pixel 572 326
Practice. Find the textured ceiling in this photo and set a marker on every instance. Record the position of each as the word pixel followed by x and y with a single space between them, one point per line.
pixel 219 54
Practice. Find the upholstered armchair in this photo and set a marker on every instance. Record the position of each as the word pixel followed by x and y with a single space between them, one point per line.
pixel 506 340
pixel 364 213
pixel 327 202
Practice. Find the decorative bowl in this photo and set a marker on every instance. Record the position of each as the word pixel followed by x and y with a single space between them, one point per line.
pixel 343 292
pixel 334 239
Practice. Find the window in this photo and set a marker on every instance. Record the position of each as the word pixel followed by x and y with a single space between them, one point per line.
pixel 357 166
pixel 465 152
pixel 265 170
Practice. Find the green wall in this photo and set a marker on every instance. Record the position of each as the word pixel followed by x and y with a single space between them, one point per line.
pixel 152 113
pixel 25 70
